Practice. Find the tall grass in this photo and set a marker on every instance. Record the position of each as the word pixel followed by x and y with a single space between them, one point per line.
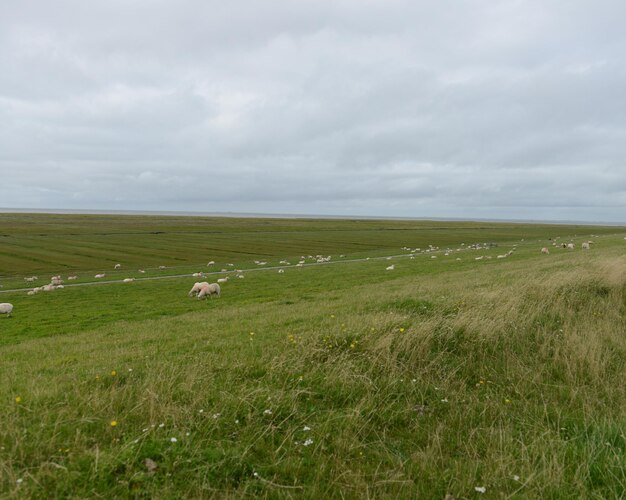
pixel 420 385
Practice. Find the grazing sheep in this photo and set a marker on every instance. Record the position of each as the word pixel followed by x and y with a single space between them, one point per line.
pixel 585 245
pixel 47 288
pixel 6 308
pixel 570 246
pixel 118 266
pixel 72 278
pixel 545 250
pixel 223 280
pixel 142 271
pixel 31 279
pixel 211 263
pixel 198 275
pixel 280 271
pixel 31 292
pixel 209 290
pixel 99 275
pixel 56 281
pixel 241 276
pixel 161 267
pixel 390 268
pixel 59 287
pixel 195 289
pixel 128 280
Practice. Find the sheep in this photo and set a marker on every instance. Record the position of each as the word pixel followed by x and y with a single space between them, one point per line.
pixel 31 292
pixel 161 268
pixel 241 276
pixel 31 279
pixel 56 280
pixel 117 266
pixel 211 263
pixel 59 287
pixel 142 271
pixel 128 280
pixel 585 245
pixel 545 250
pixel 209 290
pixel 6 308
pixel 48 288
pixel 198 275
pixel 570 246
pixel 280 271
pixel 390 268
pixel 101 275
pixel 72 278
pixel 195 289
pixel 223 280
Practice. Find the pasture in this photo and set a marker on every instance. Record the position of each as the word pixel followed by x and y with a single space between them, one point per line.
pixel 440 377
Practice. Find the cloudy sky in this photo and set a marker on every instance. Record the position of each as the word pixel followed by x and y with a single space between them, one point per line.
pixel 465 108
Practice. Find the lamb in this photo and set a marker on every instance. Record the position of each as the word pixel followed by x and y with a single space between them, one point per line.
pixel 195 289
pixel 101 275
pixel 223 280
pixel 6 308
pixel 209 290
pixel 545 250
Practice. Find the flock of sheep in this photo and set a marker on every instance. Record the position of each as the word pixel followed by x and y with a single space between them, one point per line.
pixel 204 289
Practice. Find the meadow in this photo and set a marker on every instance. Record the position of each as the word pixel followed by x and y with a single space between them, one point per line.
pixel 499 378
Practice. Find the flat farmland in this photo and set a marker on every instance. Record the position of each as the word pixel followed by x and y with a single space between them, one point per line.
pixel 453 371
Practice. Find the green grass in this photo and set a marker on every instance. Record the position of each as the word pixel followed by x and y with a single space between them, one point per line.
pixel 432 379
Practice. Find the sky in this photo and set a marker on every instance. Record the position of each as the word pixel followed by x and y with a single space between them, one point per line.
pixel 512 109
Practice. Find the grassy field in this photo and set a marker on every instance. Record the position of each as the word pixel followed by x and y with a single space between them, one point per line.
pixel 339 380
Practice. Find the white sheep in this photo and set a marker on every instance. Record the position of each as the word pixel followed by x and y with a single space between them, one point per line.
pixel 101 275
pixel 59 287
pixel 31 292
pixel 6 308
pixel 223 280
pixel 128 280
pixel 142 271
pixel 195 289
pixel 209 290
pixel 161 267
pixel 281 271
pixel 390 268
pixel 211 263
pixel 118 266
pixel 570 246
pixel 585 245
pixel 72 278
pixel 545 250
pixel 198 275
pixel 48 288
pixel 241 276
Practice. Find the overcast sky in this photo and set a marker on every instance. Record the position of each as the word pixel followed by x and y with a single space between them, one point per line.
pixel 464 108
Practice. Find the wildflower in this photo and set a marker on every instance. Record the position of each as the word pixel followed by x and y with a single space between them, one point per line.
pixel 300 378
pixel 332 315
pixel 187 433
pixel 306 428
pixel 144 430
pixel 173 440
pixel 401 330
pixel 267 412
pixel 251 334
pixel 113 423
pixel 200 411
pixel 19 481
pixel 237 421
pixel 216 416
pixel 97 377
pixel 515 477
pixel 480 489
pixel 308 442
pixel 444 400
pixel 113 373
pixel 352 345
pixel 161 426
pixel 18 399
pixel 413 380
pixel 130 369
pixel 507 401
pixel 255 474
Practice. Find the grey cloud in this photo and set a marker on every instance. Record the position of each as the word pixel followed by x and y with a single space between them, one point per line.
pixel 511 109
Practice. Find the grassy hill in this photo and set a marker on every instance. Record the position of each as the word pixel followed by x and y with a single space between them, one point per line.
pixel 343 379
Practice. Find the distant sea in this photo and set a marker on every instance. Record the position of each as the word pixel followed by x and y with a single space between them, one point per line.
pixel 295 216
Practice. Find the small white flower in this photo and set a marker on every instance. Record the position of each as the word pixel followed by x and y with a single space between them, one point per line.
pixel 444 400
pixel 187 433
pixel 308 442
pixel 130 369
pixel 217 415
pixel 201 411
pixel 19 481
pixel 144 430
pixel 306 428
pixel 414 380
pixel 480 489
pixel 267 412
pixel 161 426
pixel 173 440
pixel 136 441
pixel 237 421
pixel 515 477
pixel 255 474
